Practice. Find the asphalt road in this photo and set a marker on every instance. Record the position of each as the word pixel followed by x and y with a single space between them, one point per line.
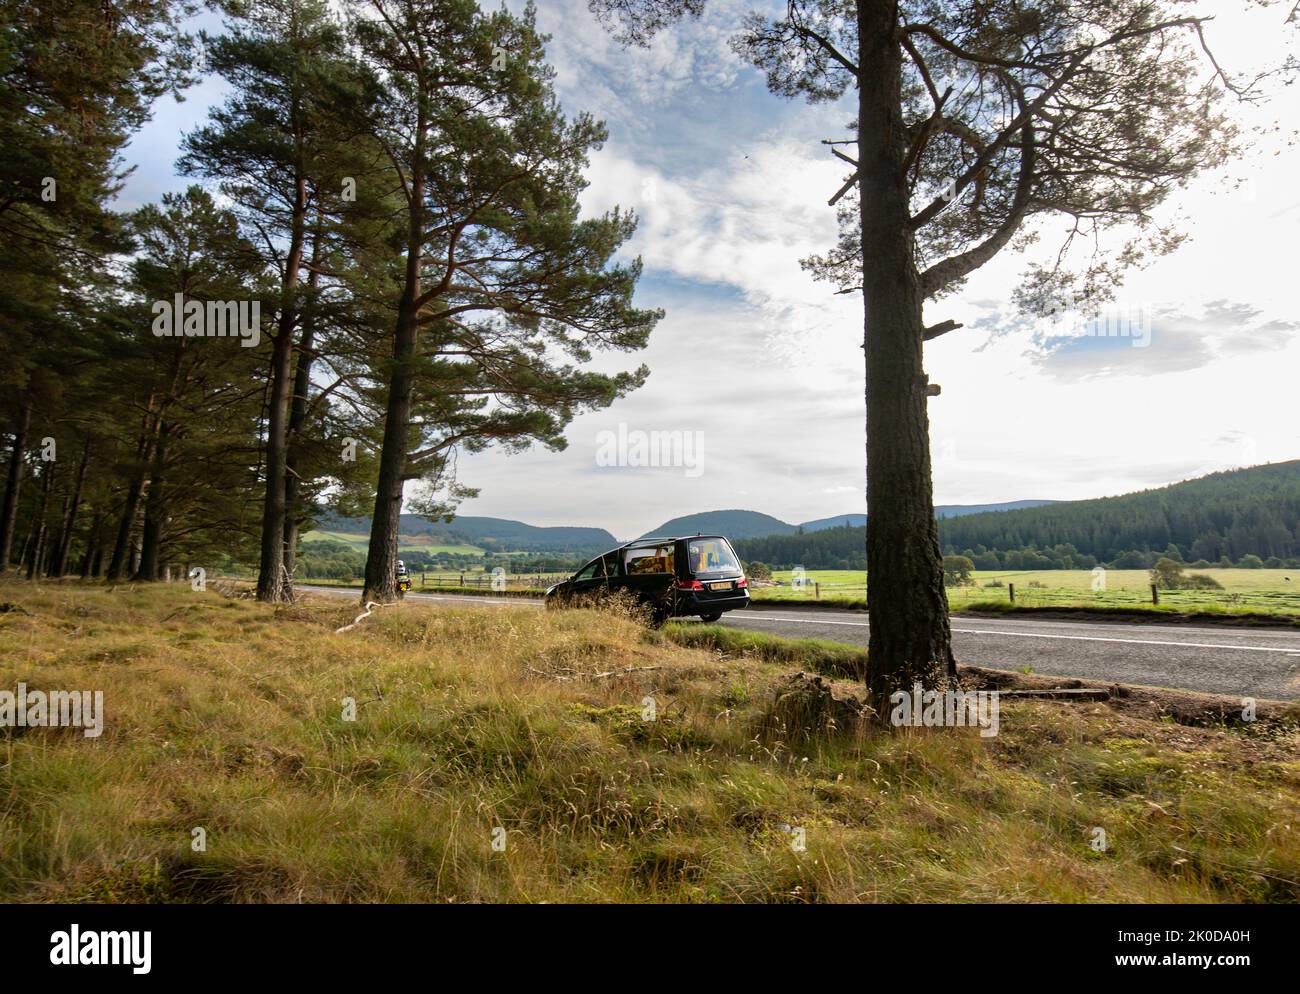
pixel 1241 662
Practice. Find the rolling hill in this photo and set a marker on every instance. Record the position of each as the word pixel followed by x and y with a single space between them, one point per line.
pixel 941 511
pixel 1251 512
pixel 475 534
pixel 740 524
pixel 1223 516
pixel 732 523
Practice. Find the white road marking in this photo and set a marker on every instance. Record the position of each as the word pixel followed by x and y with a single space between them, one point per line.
pixel 1037 622
pixel 1037 635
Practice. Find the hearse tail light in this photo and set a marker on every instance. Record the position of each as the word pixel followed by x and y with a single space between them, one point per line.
pixel 689 585
pixel 742 582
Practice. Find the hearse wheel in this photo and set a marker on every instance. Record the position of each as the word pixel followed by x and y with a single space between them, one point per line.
pixel 712 617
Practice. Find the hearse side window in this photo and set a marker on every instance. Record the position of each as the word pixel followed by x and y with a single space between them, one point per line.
pixel 590 570
pixel 649 559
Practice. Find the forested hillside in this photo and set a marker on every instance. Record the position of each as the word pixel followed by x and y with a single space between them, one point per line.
pixel 733 523
pixel 1249 517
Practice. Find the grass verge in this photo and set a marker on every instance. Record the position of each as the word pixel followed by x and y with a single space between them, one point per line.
pixel 475 726
pixel 1150 612
pixel 834 659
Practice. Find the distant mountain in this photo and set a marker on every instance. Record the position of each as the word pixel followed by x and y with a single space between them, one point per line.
pixel 739 524
pixel 502 533
pixel 411 526
pixel 940 511
pixel 1222 517
pixel 733 524
pixel 493 534
pixel 839 521
pixel 960 510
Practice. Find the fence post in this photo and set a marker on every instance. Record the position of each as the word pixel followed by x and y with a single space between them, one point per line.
pixel 1155 595
pixel 421 579
pixel 462 579
pixel 1011 588
pixel 817 590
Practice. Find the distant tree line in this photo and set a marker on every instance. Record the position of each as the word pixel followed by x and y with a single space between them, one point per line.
pixel 382 263
pixel 1248 518
pixel 331 559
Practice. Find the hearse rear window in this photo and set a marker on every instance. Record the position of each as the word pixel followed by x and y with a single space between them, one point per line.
pixel 711 555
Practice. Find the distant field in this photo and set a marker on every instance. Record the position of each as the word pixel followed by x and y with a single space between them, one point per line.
pixel 413 543
pixel 1257 590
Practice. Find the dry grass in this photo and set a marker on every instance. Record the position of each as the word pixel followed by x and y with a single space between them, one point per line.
pixel 227 715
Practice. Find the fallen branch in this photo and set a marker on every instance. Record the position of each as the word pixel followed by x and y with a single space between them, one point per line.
pixel 590 676
pixel 359 618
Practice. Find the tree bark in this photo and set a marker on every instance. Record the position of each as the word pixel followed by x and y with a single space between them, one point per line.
pixel 381 559
pixel 155 514
pixel 910 638
pixel 93 539
pixel 271 584
pixel 293 516
pixel 13 485
pixel 64 547
pixel 118 561
pixel 38 525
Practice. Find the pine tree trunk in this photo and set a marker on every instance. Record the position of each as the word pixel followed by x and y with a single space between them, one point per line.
pixel 293 516
pixel 271 584
pixel 13 485
pixel 381 559
pixel 155 515
pixel 910 638
pixel 38 525
pixel 47 568
pixel 270 574
pixel 64 547
pixel 118 566
pixel 93 539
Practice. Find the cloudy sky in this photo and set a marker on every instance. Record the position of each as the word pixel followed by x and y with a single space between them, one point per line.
pixel 763 367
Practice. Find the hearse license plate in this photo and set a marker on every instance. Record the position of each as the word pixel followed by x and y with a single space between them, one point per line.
pixel 720 586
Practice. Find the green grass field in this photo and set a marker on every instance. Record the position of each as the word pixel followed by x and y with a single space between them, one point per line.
pixel 409 543
pixel 507 756
pixel 1265 591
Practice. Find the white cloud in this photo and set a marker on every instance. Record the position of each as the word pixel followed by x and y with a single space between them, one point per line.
pixel 731 187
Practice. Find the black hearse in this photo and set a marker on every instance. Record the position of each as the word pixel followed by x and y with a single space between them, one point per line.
pixel 675 577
